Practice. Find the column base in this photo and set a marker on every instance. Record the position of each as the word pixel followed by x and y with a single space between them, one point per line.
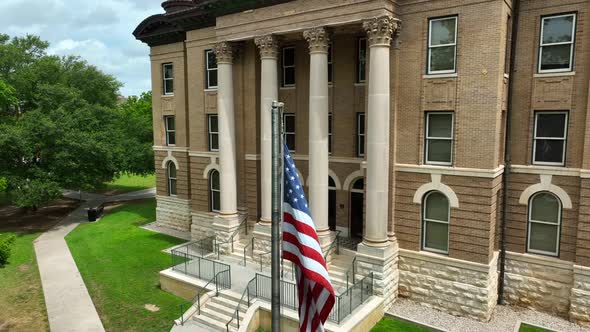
pixel 382 261
pixel 326 240
pixel 224 226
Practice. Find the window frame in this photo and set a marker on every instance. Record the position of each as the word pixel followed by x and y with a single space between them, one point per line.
pixel 210 133
pixel 572 44
pixel 213 190
pixel 359 62
pixel 427 138
pixel 169 131
pixel 284 67
pixel 430 47
pixel 330 132
pixel 294 133
pixel 359 134
pixel 170 179
pixel 208 85
pixel 558 225
pixel 330 63
pixel 166 79
pixel 425 220
pixel 564 139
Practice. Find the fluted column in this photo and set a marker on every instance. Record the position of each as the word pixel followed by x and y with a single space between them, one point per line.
pixel 379 35
pixel 269 92
pixel 227 135
pixel 318 39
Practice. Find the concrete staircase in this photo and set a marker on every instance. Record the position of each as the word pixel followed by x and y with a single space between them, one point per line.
pixel 218 310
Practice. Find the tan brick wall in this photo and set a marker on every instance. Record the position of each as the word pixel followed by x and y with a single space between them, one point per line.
pixel 182 174
pixel 583 231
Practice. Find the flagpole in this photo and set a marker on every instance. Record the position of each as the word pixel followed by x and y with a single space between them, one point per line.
pixel 276 217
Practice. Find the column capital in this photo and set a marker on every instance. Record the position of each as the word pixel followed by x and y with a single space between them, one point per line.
pixel 224 51
pixel 380 30
pixel 268 45
pixel 318 39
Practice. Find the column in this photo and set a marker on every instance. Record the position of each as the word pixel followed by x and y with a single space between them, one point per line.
pixel 318 39
pixel 227 135
pixel 269 92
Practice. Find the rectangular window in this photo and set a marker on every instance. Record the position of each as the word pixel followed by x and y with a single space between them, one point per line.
pixel 360 134
pixel 288 66
pixel 168 78
pixel 439 138
pixel 362 60
pixel 289 130
pixel 170 127
pixel 211 69
pixel 556 47
pixel 442 45
pixel 550 138
pixel 213 130
pixel 330 128
pixel 330 64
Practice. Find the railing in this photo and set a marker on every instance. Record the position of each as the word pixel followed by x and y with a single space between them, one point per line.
pixel 243 224
pixel 200 247
pixel 260 257
pixel 250 246
pixel 263 291
pixel 353 297
pixel 221 280
pixel 334 244
pixel 195 266
pixel 245 294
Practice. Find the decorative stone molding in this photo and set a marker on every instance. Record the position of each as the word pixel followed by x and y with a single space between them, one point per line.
pixel 436 185
pixel 268 45
pixel 546 185
pixel 170 158
pixel 381 30
pixel 318 39
pixel 334 177
pixel 224 51
pixel 208 170
pixel 352 177
pixel 453 171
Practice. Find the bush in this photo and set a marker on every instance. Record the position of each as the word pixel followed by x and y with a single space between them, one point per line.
pixel 5 246
pixel 35 193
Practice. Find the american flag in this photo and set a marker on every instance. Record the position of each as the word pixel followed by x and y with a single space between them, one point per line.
pixel 302 247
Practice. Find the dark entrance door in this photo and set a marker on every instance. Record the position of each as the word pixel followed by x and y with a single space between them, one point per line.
pixel 357 194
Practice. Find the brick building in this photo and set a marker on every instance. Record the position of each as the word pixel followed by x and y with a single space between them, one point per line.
pixel 396 115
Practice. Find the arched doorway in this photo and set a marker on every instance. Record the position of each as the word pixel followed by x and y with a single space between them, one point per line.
pixel 357 197
pixel 331 203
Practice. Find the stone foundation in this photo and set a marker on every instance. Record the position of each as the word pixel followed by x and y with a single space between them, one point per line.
pixel 173 213
pixel 202 225
pixel 580 297
pixel 224 227
pixel 538 282
pixel 458 287
pixel 383 262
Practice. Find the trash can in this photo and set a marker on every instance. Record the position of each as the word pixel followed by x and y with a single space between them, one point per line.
pixel 92 214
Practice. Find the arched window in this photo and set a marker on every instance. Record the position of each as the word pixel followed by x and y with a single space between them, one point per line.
pixel 214 191
pixel 171 170
pixel 435 223
pixel 544 224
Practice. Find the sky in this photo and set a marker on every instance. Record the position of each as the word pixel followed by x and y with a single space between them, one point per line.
pixel 97 30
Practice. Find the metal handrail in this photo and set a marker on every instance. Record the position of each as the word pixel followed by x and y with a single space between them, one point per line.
pixel 198 243
pixel 334 244
pixel 237 312
pixel 340 310
pixel 231 238
pixel 260 257
pixel 203 290
pixel 246 248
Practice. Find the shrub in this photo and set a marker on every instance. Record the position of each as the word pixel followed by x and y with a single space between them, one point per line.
pixel 5 247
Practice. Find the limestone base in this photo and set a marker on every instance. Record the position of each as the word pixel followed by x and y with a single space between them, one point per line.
pixel 458 287
pixel 383 262
pixel 580 297
pixel 224 227
pixel 202 225
pixel 173 213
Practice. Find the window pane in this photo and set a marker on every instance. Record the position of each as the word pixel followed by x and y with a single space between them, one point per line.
pixel 442 32
pixel 442 58
pixel 171 170
pixel 331 182
pixel 289 76
pixel 330 72
pixel 290 124
pixel 439 150
pixel 172 187
pixel 211 60
pixel 550 125
pixel 168 71
pixel 558 29
pixel 216 204
pixel 440 125
pixel 550 151
pixel 361 123
pixel 361 147
pixel 171 138
pixel 359 184
pixel 545 207
pixel 436 236
pixel 215 180
pixel 170 123
pixel 213 124
pixel 555 57
pixel 289 57
pixel 437 207
pixel 169 86
pixel 214 142
pixel 290 142
pixel 212 74
pixel 543 237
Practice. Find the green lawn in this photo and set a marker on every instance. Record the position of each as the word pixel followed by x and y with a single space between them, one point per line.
pixel 129 182
pixel 529 328
pixel 21 295
pixel 120 263
pixel 392 325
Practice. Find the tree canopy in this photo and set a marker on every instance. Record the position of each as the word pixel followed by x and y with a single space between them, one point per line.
pixel 61 126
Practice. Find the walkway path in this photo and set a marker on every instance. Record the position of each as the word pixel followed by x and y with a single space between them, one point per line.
pixel 69 306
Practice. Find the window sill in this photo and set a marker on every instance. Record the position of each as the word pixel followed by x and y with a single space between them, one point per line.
pixel 449 75
pixel 210 90
pixel 555 74
pixel 167 96
pixel 555 165
pixel 288 88
pixel 360 84
pixel 450 165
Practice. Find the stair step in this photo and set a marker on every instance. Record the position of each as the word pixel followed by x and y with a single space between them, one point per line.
pixel 213 323
pixel 212 313
pixel 229 311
